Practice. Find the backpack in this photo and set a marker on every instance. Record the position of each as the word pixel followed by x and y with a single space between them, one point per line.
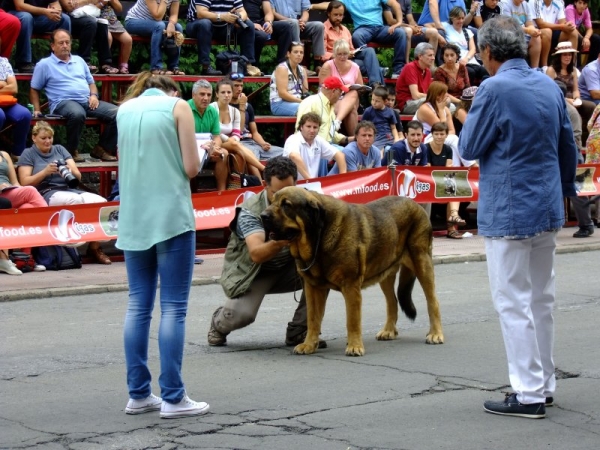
pixel 57 257
pixel 224 59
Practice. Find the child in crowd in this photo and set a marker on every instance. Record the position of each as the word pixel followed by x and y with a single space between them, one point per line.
pixel 440 155
pixel 391 103
pixel 384 119
pixel 117 31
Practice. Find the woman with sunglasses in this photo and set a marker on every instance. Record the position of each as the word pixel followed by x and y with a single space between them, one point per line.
pixel 289 83
pixel 230 119
pixel 346 108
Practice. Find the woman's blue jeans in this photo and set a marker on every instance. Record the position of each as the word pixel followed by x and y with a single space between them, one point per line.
pixel 173 261
pixel 154 29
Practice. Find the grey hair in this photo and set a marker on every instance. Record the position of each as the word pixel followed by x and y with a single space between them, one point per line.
pixel 505 38
pixel 201 84
pixel 340 44
pixel 421 48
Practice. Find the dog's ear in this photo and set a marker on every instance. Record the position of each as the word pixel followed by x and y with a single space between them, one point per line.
pixel 316 212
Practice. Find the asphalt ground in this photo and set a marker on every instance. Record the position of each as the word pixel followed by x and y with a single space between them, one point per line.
pixel 62 373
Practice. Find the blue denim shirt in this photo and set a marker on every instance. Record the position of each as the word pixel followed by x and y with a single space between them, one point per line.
pixel 519 129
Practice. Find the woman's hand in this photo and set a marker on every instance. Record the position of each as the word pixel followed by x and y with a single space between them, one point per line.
pixel 463 61
pixel 170 29
pixel 50 169
pixel 585 44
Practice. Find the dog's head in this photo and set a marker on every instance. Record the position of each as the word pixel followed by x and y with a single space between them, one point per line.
pixel 294 211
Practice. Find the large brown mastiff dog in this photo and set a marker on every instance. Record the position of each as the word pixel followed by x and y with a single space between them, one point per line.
pixel 348 247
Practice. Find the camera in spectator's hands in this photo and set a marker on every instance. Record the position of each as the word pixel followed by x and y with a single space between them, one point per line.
pixel 66 173
pixel 305 95
pixel 240 22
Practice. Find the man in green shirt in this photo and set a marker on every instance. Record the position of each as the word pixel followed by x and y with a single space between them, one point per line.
pixel 206 120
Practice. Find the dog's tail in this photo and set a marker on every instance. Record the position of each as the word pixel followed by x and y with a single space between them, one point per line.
pixel 405 288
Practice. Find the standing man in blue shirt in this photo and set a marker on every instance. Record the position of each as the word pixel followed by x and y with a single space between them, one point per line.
pixel 527 165
pixel 367 16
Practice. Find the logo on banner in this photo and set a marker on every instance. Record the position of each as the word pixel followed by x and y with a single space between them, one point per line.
pixel 409 186
pixel 63 228
pixel 109 220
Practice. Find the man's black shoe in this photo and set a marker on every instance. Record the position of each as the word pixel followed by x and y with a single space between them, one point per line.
pixel 26 68
pixel 292 341
pixel 584 232
pixel 511 407
pixel 549 401
pixel 211 72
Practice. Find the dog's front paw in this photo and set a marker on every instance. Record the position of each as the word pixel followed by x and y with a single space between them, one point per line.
pixel 304 349
pixel 434 338
pixel 355 350
pixel 387 335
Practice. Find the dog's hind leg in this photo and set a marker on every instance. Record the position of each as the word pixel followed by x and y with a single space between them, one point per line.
pixel 315 310
pixel 389 330
pixel 424 270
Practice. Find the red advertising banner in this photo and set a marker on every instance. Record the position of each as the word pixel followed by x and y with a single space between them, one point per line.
pixel 69 225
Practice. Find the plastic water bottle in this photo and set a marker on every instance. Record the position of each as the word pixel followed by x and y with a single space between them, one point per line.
pixel 234 67
pixel 265 25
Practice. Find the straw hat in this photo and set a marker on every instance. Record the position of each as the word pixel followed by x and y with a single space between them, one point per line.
pixel 564 47
pixel 468 93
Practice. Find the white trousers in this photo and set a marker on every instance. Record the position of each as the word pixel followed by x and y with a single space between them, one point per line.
pixel 73 198
pixel 521 274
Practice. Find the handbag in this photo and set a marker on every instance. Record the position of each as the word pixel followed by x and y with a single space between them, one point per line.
pixel 24 261
pixel 238 178
pixel 86 10
pixel 224 59
pixel 7 100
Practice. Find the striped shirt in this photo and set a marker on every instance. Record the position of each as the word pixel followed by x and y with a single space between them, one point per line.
pixel 140 10
pixel 215 6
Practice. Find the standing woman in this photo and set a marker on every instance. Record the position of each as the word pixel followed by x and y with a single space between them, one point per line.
pixel 145 18
pixel 346 108
pixel 157 159
pixel 288 83
pixel 230 119
pixel 452 74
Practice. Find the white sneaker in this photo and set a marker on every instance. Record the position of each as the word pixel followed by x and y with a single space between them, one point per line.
pixel 144 405
pixel 39 268
pixel 7 266
pixel 186 407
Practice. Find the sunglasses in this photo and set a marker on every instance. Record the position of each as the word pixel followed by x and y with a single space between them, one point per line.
pixel 296 43
pixel 236 76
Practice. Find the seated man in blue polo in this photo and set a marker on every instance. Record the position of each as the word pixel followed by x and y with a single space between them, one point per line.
pixel 72 93
pixel 409 152
pixel 361 154
pixel 367 16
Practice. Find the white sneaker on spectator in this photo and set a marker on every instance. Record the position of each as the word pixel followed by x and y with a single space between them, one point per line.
pixel 395 76
pixel 39 268
pixel 186 407
pixel 7 266
pixel 144 405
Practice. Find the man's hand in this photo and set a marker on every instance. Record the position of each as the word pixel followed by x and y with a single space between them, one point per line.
pixel 242 101
pixel 53 14
pixel 228 17
pixel 392 28
pixel 585 44
pixel 301 24
pixel 93 102
pixel 268 28
pixel 266 146
pixel 417 30
pixel 568 27
pixel 532 31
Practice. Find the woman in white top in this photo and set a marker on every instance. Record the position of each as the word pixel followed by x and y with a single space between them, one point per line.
pixel 435 109
pixel 230 118
pixel 346 108
pixel 463 38
pixel 289 83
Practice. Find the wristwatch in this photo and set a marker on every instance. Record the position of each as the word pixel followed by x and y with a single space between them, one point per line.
pixel 218 17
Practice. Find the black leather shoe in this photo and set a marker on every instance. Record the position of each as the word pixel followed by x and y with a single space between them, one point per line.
pixel 26 68
pixel 210 71
pixel 584 232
